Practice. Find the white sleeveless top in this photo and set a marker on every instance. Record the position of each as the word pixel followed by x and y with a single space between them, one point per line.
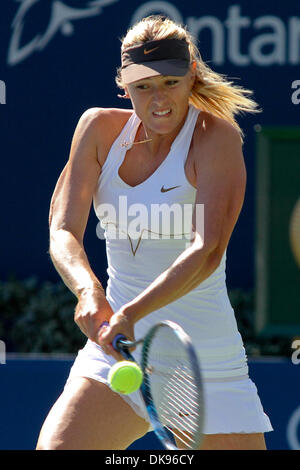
pixel 144 237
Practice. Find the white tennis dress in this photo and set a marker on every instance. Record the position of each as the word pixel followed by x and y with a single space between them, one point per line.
pixel 143 238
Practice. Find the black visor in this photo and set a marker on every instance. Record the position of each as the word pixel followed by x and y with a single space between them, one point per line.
pixel 161 57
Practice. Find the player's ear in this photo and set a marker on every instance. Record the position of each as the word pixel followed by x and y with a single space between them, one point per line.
pixel 193 68
pixel 125 95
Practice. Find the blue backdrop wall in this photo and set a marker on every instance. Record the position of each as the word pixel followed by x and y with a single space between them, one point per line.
pixel 58 58
pixel 29 387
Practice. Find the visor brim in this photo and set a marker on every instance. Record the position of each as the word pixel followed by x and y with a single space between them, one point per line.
pixel 172 67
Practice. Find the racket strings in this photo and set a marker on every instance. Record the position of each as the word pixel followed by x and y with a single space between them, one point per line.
pixel 178 407
pixel 175 391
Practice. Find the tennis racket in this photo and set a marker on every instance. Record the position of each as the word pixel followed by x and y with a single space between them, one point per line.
pixel 172 388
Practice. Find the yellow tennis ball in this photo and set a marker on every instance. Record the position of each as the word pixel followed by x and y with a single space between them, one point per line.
pixel 125 377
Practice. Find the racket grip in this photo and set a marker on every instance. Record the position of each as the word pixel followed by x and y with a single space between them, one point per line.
pixel 116 339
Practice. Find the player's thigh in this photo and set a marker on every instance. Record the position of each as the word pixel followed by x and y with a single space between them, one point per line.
pixel 88 415
pixel 234 441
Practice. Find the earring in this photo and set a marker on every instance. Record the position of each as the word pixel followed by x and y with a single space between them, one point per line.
pixel 125 96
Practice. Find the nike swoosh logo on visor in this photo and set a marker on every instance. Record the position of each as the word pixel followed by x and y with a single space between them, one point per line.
pixel 150 50
pixel 165 190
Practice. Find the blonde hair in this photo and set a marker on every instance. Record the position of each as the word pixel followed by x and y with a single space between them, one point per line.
pixel 212 91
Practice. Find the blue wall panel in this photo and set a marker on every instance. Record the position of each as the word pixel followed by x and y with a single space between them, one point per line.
pixel 58 58
pixel 29 387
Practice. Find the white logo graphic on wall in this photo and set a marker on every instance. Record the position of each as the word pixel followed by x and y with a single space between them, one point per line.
pixel 296 94
pixel 61 20
pixel 2 352
pixel 272 39
pixel 293 427
pixel 2 92
pixel 227 35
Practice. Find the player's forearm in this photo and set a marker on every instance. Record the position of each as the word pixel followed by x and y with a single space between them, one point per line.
pixel 190 269
pixel 70 260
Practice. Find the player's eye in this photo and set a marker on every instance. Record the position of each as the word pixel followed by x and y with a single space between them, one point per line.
pixel 142 86
pixel 172 82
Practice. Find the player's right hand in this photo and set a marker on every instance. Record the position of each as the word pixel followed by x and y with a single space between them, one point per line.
pixel 91 311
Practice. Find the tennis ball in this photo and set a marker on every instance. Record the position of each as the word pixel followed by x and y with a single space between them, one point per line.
pixel 125 377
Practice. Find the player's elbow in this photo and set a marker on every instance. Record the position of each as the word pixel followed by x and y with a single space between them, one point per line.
pixel 63 242
pixel 211 250
pixel 215 257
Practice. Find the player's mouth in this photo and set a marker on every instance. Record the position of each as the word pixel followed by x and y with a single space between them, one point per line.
pixel 162 113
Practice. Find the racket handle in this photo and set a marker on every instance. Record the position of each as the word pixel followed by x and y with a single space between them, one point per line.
pixel 116 339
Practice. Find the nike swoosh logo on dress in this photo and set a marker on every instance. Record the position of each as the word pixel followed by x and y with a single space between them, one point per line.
pixel 164 190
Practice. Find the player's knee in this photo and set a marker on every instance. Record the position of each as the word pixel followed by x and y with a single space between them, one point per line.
pixel 50 444
pixel 51 440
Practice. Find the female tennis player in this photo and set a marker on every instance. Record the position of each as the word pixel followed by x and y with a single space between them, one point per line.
pixel 180 146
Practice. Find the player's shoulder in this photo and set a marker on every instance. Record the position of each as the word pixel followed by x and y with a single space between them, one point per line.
pixel 216 144
pixel 105 119
pixel 106 113
pixel 101 127
pixel 215 131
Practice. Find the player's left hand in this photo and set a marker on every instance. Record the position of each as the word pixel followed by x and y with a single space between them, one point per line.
pixel 119 323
